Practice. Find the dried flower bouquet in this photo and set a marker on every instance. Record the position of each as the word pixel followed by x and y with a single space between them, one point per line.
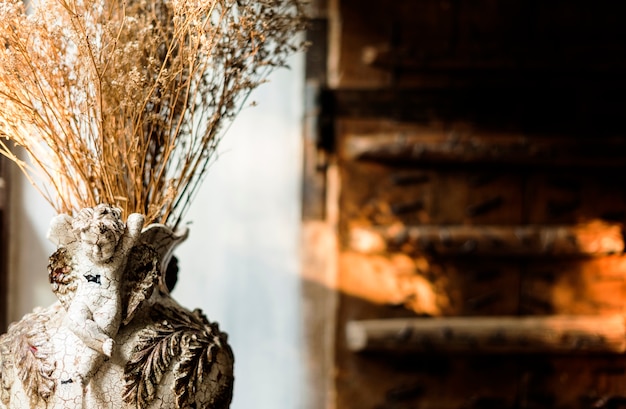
pixel 124 102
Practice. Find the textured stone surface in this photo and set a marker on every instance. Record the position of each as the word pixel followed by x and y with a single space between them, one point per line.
pixel 115 338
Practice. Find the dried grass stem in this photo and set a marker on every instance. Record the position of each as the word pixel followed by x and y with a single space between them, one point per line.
pixel 125 102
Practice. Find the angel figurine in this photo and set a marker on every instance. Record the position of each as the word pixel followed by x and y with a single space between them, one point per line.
pixel 97 243
pixel 115 338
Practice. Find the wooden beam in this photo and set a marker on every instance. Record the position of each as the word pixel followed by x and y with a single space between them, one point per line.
pixel 510 107
pixel 455 146
pixel 317 129
pixel 590 239
pixel 408 59
pixel 535 335
pixel 315 159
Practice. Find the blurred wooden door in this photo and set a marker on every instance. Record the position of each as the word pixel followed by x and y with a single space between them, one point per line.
pixel 472 158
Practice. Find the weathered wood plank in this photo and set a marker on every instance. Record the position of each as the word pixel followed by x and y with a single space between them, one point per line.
pixel 553 334
pixel 428 145
pixel 315 126
pixel 590 239
pixel 314 159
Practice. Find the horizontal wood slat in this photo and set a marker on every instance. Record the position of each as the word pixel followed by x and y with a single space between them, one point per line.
pixel 385 57
pixel 552 334
pixel 591 239
pixel 433 146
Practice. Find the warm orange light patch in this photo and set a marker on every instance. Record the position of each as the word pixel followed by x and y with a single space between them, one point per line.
pixel 393 280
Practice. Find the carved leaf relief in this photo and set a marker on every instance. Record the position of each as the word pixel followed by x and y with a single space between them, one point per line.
pixel 149 362
pixel 32 352
pixel 185 338
pixel 34 368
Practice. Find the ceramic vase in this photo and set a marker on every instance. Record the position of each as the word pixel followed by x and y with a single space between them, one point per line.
pixel 115 338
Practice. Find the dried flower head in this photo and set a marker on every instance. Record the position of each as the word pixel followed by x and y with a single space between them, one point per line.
pixel 125 101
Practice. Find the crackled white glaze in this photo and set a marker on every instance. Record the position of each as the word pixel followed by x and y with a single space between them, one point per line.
pixel 115 338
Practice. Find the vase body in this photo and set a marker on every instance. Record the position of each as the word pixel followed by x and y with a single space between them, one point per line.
pixel 115 338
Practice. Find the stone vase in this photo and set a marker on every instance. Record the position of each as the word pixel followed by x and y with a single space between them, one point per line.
pixel 116 338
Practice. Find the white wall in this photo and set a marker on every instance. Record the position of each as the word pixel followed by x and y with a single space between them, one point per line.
pixel 240 264
pixel 29 215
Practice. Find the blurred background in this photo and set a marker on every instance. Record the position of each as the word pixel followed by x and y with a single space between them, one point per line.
pixel 425 211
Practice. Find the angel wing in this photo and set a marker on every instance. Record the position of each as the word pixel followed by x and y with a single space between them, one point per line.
pixel 147 265
pixel 60 231
pixel 62 276
pixel 163 240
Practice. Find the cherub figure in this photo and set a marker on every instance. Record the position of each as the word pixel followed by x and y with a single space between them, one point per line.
pixel 95 247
